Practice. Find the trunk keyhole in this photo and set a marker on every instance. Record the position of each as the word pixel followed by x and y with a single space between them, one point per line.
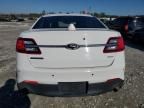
pixel 83 38
pixel 53 76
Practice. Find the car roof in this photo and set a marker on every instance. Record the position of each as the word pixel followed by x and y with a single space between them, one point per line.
pixel 49 15
pixel 131 17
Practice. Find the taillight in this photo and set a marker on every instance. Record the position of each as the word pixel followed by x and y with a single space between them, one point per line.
pixel 27 46
pixel 126 28
pixel 114 44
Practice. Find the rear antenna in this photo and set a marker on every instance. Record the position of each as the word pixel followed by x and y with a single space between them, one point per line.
pixel 71 27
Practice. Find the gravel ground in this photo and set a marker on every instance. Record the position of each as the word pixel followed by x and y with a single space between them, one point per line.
pixel 130 96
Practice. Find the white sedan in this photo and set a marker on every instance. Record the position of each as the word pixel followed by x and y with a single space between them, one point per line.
pixel 70 55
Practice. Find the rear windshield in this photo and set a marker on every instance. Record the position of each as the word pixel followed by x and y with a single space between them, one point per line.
pixel 64 21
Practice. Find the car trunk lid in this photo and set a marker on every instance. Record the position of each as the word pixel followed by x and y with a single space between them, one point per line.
pixel 55 51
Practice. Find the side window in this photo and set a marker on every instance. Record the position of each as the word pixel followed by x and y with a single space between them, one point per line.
pixel 140 22
pixel 131 25
pixel 135 24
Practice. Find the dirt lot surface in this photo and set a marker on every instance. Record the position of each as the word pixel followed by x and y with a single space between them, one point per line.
pixel 130 96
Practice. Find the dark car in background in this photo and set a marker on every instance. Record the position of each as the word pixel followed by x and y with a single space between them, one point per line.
pixel 136 29
pixel 120 24
pixel 130 27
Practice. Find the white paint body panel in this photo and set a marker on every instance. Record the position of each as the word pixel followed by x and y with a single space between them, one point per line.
pixel 64 65
pixel 65 58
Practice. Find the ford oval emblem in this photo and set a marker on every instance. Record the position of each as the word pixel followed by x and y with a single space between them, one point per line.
pixel 72 46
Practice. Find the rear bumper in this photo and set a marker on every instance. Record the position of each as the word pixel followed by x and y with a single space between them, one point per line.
pixel 54 89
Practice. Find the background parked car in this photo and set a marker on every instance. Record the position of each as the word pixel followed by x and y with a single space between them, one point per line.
pixel 120 24
pixel 129 27
pixel 83 63
pixel 136 29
